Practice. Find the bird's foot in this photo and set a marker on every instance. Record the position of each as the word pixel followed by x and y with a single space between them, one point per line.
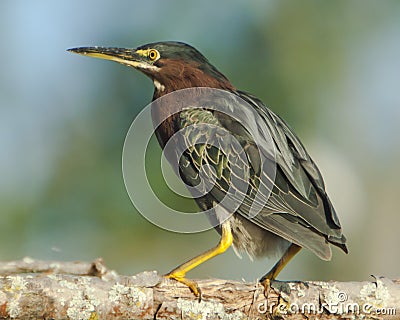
pixel 191 284
pixel 268 278
pixel 266 282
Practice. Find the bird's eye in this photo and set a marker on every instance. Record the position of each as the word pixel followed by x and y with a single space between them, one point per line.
pixel 153 55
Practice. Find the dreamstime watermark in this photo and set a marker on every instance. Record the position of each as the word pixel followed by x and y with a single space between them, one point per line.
pixel 341 305
pixel 235 167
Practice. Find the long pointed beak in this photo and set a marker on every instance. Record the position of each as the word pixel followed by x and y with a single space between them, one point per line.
pixel 125 56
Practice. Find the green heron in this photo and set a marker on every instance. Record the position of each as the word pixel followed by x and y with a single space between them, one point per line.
pixel 298 212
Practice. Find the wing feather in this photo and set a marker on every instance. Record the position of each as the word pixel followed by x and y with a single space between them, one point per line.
pixel 297 209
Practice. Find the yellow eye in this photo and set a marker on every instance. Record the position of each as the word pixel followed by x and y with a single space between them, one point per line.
pixel 153 55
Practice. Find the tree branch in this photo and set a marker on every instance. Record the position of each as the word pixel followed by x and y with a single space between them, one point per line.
pixel 33 289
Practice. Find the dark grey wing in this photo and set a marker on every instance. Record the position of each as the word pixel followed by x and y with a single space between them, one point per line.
pixel 210 158
pixel 299 192
pixel 297 209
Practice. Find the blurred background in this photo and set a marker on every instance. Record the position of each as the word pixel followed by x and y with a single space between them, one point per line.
pixel 330 68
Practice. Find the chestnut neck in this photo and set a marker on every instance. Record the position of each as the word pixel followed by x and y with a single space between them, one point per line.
pixel 175 76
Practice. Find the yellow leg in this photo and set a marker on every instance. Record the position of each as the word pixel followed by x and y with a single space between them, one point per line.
pixel 277 268
pixel 179 272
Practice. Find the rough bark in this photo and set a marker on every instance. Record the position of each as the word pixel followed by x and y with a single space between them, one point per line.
pixel 32 289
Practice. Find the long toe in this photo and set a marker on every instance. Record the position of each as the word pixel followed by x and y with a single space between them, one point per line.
pixel 266 282
pixel 191 284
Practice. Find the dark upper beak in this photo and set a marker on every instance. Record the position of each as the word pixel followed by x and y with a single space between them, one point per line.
pixel 125 56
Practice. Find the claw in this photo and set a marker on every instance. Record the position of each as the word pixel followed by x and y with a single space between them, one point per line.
pixel 273 273
pixel 179 272
pixel 191 284
pixel 266 282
